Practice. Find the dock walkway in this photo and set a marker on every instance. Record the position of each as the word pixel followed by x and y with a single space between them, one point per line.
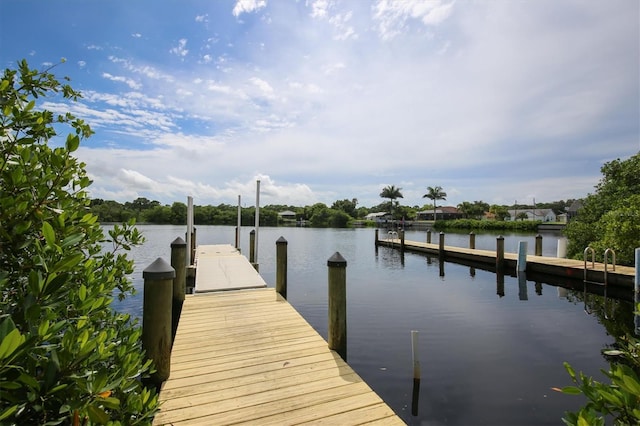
pixel 569 268
pixel 248 357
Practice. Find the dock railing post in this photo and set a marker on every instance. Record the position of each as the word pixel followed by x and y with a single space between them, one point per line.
pixel 500 254
pixel 337 331
pixel 252 244
pixel 472 240
pixel 538 245
pixel 441 246
pixel 281 267
pixel 178 263
pixel 429 236
pixel 156 317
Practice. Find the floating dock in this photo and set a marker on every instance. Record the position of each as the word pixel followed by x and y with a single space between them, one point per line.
pixel 243 355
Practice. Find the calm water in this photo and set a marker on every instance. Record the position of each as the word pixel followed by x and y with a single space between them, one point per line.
pixel 486 359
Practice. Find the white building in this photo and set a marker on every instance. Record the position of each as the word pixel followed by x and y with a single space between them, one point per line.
pixel 543 215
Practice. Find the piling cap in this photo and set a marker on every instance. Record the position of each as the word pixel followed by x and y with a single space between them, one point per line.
pixel 178 242
pixel 281 240
pixel 159 270
pixel 337 260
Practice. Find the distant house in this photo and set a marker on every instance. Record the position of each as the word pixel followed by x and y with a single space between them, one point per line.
pixel 287 215
pixel 574 209
pixel 378 216
pixel 543 215
pixel 444 212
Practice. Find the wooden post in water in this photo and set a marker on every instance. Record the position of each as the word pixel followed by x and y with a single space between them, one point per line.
pixel 500 255
pixel 156 317
pixel 377 236
pixel 538 245
pixel 429 236
pixel 252 244
pixel 178 263
pixel 472 240
pixel 414 355
pixel 521 265
pixel 441 247
pixel 401 232
pixel 338 304
pixel 281 267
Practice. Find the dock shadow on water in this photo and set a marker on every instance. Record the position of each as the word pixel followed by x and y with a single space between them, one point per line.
pixel 491 346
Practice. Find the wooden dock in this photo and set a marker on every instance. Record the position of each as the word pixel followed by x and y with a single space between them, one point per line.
pixel 622 276
pixel 248 357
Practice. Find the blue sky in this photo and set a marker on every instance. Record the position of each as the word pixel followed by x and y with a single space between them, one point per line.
pixel 325 100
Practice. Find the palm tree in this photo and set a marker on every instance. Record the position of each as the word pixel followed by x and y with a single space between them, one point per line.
pixel 435 193
pixel 392 193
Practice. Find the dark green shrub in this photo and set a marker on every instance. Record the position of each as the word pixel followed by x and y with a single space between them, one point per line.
pixel 65 356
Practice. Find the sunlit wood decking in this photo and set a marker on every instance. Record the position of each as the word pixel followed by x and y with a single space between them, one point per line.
pixel 248 357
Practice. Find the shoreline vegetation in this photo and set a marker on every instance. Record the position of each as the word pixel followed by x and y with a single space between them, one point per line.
pixel 342 214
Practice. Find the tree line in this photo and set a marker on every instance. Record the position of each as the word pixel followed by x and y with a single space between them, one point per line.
pixel 340 214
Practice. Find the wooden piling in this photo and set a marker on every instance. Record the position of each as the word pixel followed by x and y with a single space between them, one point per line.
pixel 472 241
pixel 401 234
pixel 429 236
pixel 178 263
pixel 337 331
pixel 500 254
pixel 441 252
pixel 377 237
pixel 414 355
pixel 538 245
pixel 156 317
pixel 252 245
pixel 281 267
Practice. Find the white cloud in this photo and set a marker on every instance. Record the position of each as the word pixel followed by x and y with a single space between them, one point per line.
pixel 181 48
pixel 136 35
pixel 129 82
pixel 264 87
pixel 393 16
pixel 248 6
pixel 202 18
pixel 479 101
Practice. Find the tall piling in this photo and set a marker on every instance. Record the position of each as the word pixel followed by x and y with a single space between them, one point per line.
pixel 500 254
pixel 337 331
pixel 538 251
pixel 179 264
pixel 281 267
pixel 156 317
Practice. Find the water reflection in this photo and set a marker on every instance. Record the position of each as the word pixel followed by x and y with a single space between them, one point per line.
pixel 485 363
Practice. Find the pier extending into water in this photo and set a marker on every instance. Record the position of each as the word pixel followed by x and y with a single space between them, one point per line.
pixel 499 261
pixel 243 354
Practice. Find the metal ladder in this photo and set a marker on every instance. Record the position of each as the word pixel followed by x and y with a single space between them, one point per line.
pixel 606 271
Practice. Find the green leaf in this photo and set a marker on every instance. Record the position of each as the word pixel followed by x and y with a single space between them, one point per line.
pixel 72 240
pixel 97 414
pixel 49 234
pixel 571 390
pixel 82 292
pixel 10 343
pixel 8 412
pixel 73 141
pixel 631 384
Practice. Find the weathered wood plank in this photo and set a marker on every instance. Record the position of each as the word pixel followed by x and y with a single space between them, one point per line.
pixel 248 356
